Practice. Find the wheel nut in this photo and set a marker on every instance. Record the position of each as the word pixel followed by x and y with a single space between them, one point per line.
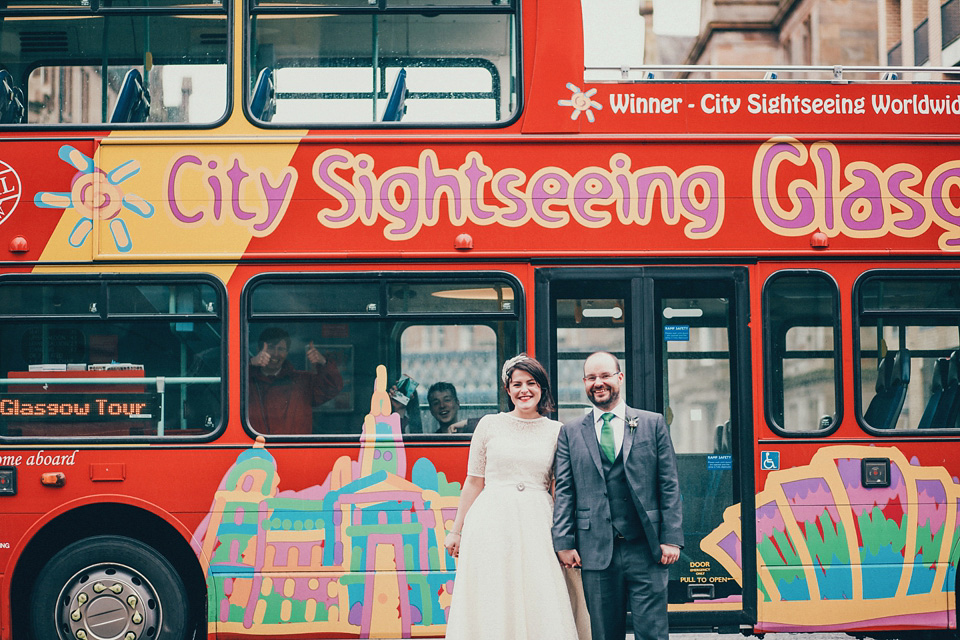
pixel 130 636
pixel 137 618
pixel 117 588
pixel 81 634
pixel 132 601
pixel 75 615
pixel 99 588
pixel 82 598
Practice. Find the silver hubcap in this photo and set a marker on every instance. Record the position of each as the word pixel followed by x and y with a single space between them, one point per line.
pixel 108 602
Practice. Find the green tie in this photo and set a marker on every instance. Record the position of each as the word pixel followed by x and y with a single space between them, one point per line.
pixel 607 444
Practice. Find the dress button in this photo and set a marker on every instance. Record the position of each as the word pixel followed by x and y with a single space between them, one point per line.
pixel 519 486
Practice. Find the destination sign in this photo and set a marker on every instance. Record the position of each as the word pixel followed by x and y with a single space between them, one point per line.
pixel 74 407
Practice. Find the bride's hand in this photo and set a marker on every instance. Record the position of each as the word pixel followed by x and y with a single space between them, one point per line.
pixel 452 544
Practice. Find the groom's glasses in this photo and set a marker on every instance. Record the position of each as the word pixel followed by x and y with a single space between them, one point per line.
pixel 603 377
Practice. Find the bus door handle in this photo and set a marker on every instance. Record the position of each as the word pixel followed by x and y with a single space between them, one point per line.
pixel 700 592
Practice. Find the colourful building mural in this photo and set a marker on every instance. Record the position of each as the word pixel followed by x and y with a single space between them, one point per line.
pixel 362 552
pixel 816 523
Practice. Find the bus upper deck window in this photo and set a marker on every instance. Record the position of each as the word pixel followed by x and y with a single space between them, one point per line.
pixel 169 67
pixel 346 62
pixel 908 351
pixel 802 352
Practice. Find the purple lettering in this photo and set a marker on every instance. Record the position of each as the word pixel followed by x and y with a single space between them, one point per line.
pixel 508 196
pixel 475 174
pixel 540 196
pixel 940 197
pixel 647 185
pixel 829 203
pixel 364 179
pixel 276 198
pixel 872 203
pixel 710 212
pixel 172 190
pixel 326 178
pixel 623 202
pixel 582 196
pixel 214 183
pixel 919 214
pixel 437 186
pixel 408 185
pixel 802 198
pixel 237 176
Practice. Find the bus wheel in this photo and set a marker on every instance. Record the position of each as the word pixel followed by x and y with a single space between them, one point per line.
pixel 109 587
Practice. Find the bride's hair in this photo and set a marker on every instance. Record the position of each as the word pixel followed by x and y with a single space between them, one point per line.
pixel 530 365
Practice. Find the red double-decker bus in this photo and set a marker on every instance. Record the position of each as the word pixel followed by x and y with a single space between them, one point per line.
pixel 409 192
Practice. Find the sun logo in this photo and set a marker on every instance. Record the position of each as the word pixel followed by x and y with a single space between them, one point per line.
pixel 581 102
pixel 95 193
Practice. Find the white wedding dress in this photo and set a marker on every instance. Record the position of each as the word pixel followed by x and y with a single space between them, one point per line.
pixel 509 583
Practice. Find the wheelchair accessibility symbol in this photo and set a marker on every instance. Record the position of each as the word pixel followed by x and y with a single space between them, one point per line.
pixel 769 460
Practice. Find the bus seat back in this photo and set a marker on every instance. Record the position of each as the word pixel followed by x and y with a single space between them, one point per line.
pixel 133 103
pixel 396 104
pixel 938 385
pixel 723 439
pixel 893 376
pixel 263 104
pixel 948 407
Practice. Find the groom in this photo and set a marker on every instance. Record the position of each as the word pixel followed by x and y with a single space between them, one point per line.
pixel 618 508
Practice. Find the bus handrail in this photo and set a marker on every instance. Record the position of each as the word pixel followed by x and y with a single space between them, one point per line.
pixel 157 380
pixel 886 73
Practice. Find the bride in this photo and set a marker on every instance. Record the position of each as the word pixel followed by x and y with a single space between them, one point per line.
pixel 509 583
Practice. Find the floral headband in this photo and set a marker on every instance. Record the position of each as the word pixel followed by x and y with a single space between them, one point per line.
pixel 509 364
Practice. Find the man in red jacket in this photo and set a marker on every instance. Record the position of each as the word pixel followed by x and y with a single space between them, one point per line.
pixel 281 399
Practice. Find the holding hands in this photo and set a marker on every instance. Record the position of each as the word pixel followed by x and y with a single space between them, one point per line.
pixel 569 558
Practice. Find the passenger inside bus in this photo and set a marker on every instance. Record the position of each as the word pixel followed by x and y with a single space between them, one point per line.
pixel 445 408
pixel 282 398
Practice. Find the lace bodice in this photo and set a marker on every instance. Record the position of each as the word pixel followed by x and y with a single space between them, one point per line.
pixel 506 450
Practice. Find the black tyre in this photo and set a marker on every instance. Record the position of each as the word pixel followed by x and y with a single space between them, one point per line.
pixel 109 587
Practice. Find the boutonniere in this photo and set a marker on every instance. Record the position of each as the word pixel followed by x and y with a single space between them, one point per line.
pixel 632 423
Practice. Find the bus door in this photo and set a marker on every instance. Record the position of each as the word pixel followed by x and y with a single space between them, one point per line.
pixel 682 338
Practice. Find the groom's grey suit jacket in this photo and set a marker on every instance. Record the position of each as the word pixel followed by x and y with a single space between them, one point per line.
pixel 581 513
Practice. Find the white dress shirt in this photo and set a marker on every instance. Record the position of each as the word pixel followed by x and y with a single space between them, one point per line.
pixel 619 413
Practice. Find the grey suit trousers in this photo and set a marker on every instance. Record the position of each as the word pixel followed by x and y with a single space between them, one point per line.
pixel 633 579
